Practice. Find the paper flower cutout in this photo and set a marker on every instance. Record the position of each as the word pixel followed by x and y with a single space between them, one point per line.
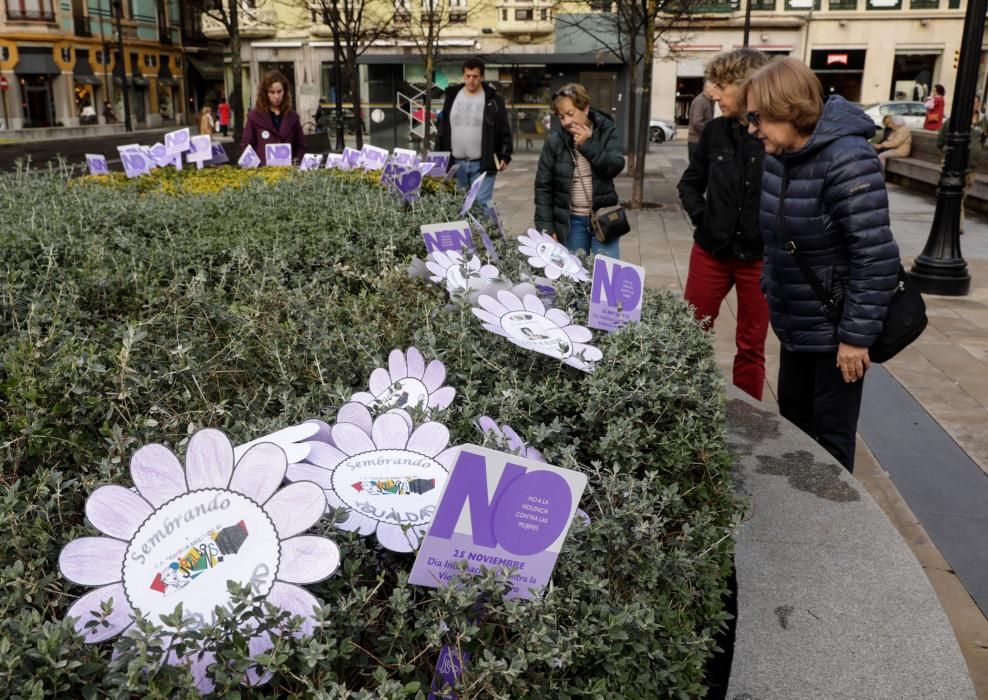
pixel 408 382
pixel 292 440
pixel 449 265
pixel 527 323
pixel 386 474
pixel 185 531
pixel 545 252
pixel 505 434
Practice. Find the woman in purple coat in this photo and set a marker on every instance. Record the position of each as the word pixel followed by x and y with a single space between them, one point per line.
pixel 273 120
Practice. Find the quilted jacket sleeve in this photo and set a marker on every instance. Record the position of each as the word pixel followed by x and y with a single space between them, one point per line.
pixel 855 198
pixel 603 150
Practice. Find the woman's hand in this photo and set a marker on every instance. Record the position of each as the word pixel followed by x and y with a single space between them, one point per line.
pixel 853 362
pixel 581 133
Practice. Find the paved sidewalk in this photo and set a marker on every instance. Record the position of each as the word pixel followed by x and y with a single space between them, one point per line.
pixel 946 370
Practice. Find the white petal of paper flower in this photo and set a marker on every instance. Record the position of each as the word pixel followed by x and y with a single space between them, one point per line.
pixel 408 381
pixel 545 252
pixel 460 275
pixel 388 477
pixel 186 531
pixel 527 323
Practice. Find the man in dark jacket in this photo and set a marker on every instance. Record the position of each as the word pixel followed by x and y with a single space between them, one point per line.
pixel 720 191
pixel 474 128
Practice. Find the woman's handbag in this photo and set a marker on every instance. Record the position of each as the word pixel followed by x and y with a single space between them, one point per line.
pixel 905 319
pixel 607 223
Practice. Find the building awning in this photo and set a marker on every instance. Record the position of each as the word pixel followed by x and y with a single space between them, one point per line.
pixel 36 62
pixel 82 73
pixel 501 59
pixel 165 76
pixel 210 68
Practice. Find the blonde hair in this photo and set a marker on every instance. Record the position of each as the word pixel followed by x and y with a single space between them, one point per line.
pixel 734 66
pixel 786 90
pixel 573 91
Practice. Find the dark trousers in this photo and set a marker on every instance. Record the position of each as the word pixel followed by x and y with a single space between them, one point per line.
pixel 814 396
pixel 690 147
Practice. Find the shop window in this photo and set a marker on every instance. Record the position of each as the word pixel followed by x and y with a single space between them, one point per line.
pixel 912 76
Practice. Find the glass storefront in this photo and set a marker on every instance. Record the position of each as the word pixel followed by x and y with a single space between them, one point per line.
pixel 840 71
pixel 912 75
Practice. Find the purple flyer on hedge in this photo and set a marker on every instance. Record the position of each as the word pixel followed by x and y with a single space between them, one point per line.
pixel 278 154
pixel 449 669
pixel 249 158
pixel 333 161
pixel 440 162
pixel 135 163
pixel 351 157
pixel 408 182
pixel 499 510
pixel 178 141
pixel 97 164
pixel 453 235
pixel 310 161
pixel 451 172
pixel 616 293
pixel 219 154
pixel 496 218
pixel 426 168
pixel 488 243
pixel 373 158
pixel 159 154
pixel 472 193
pixel 201 151
pixel 405 156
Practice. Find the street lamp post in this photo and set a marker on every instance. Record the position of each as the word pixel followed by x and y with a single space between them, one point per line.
pixel 940 268
pixel 118 8
pixel 747 23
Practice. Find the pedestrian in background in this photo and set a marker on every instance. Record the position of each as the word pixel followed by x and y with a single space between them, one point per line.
pixel 898 144
pixel 701 112
pixel 577 166
pixel 720 191
pixel 108 114
pixel 224 114
pixel 473 126
pixel 979 132
pixel 823 204
pixel 273 120
pixel 935 105
pixel 206 122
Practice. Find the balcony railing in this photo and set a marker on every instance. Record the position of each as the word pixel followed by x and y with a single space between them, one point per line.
pixel 19 15
pixel 82 25
pixel 843 4
pixel 924 4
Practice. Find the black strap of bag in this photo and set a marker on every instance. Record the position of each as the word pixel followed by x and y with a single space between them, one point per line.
pixel 607 223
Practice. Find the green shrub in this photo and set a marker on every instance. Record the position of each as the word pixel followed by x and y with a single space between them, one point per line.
pixel 130 318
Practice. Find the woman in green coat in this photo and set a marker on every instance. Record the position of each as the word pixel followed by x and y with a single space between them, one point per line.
pixel 579 162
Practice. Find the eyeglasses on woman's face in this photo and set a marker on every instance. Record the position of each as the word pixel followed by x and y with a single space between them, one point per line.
pixel 754 118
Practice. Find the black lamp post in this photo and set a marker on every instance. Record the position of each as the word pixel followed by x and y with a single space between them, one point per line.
pixel 747 23
pixel 118 9
pixel 337 78
pixel 940 268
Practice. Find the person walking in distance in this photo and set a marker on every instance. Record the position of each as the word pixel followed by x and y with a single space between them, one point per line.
pixel 474 129
pixel 720 191
pixel 224 113
pixel 701 113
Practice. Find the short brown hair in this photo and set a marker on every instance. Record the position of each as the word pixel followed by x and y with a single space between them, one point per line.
pixel 734 66
pixel 786 90
pixel 575 92
pixel 261 103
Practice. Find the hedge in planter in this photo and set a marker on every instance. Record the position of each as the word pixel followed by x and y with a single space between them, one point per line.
pixel 132 318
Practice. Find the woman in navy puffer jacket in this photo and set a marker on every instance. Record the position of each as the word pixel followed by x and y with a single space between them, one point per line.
pixel 823 194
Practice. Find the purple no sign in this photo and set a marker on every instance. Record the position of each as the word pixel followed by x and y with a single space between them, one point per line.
pixel 278 154
pixel 454 235
pixel 616 293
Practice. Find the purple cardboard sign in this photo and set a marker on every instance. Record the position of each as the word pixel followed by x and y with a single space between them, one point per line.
pixel 333 161
pixel 440 162
pixel 499 510
pixel 496 218
pixel 426 168
pixel 616 293
pixel 97 164
pixel 449 669
pixel 177 142
pixel 278 154
pixel 454 235
pixel 405 156
pixel 472 193
pixel 160 155
pixel 351 158
pixel 373 158
pixel 310 161
pixel 135 163
pixel 201 151
pixel 451 172
pixel 219 154
pixel 488 243
pixel 249 158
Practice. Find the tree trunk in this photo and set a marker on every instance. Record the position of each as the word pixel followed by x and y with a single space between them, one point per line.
pixel 632 113
pixel 236 99
pixel 427 113
pixel 353 75
pixel 644 107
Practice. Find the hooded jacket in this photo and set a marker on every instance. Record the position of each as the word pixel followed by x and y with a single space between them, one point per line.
pixel 555 176
pixel 496 133
pixel 829 199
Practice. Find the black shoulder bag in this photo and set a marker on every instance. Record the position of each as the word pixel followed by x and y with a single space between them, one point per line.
pixel 904 322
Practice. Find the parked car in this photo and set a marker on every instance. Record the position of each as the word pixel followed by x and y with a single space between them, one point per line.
pixel 913 112
pixel 661 130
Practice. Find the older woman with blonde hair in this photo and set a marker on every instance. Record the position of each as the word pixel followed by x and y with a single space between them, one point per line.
pixel 824 211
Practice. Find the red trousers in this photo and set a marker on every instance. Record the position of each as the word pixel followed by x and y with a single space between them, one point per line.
pixel 707 283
